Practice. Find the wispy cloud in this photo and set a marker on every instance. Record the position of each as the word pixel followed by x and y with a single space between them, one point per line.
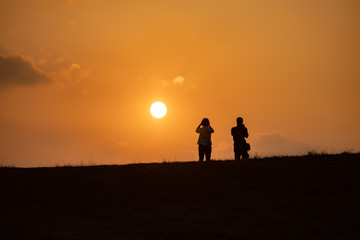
pixel 179 80
pixel 71 74
pixel 276 143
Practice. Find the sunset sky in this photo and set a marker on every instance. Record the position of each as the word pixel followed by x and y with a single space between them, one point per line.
pixel 78 77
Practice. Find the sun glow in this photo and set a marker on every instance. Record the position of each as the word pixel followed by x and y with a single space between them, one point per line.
pixel 158 109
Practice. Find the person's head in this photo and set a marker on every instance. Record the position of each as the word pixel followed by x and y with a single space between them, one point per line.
pixel 205 122
pixel 239 121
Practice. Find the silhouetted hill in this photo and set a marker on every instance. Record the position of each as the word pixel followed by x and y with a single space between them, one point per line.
pixel 310 197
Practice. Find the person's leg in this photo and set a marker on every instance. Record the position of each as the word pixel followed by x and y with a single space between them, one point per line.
pixel 245 155
pixel 237 153
pixel 201 153
pixel 208 153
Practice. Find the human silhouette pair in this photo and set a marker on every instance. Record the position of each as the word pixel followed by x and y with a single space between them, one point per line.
pixel 239 133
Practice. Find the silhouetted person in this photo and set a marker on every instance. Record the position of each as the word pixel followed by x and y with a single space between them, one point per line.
pixel 239 134
pixel 204 141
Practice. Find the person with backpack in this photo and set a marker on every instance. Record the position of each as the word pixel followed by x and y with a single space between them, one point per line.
pixel 239 133
pixel 205 130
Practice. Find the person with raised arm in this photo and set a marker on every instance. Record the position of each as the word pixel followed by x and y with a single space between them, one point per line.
pixel 205 130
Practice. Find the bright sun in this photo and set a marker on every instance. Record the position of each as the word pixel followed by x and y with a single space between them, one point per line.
pixel 158 109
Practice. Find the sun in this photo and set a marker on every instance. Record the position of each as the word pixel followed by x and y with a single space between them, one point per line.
pixel 158 109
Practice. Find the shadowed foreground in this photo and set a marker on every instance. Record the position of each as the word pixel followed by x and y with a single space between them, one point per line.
pixel 312 197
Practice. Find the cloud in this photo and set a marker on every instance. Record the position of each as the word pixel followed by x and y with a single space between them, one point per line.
pixel 74 67
pixel 16 70
pixel 224 146
pixel 178 80
pixel 66 75
pixel 115 143
pixel 177 83
pixel 75 72
pixel 277 144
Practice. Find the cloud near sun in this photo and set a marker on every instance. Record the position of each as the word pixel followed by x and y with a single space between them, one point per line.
pixel 178 81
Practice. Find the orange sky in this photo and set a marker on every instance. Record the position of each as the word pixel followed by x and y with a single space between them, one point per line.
pixel 77 78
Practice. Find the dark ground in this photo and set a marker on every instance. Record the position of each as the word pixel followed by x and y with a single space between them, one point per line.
pixel 310 197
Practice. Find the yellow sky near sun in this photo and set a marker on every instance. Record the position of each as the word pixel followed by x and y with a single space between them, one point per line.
pixel 85 73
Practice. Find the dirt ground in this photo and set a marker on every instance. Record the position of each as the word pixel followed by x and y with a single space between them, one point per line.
pixel 310 197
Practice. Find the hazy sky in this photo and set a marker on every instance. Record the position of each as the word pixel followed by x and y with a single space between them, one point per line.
pixel 77 78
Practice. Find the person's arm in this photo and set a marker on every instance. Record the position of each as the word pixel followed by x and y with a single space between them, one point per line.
pixel 246 133
pixel 210 129
pixel 198 129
